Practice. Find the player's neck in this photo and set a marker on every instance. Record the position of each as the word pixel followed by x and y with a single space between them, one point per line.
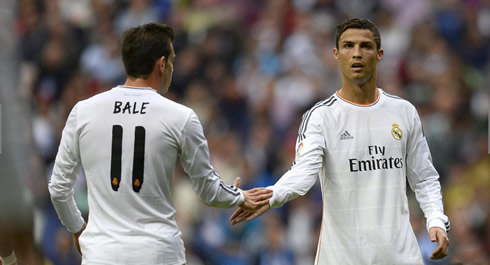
pixel 360 94
pixel 140 82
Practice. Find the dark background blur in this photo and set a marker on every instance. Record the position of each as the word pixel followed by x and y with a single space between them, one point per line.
pixel 250 69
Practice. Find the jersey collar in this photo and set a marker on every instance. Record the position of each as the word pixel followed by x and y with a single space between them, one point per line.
pixel 136 87
pixel 378 93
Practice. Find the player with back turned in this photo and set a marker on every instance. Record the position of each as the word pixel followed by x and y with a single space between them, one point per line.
pixel 128 140
pixel 363 144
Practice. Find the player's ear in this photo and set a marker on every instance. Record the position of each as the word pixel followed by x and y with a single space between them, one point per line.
pixel 380 54
pixel 160 64
pixel 335 53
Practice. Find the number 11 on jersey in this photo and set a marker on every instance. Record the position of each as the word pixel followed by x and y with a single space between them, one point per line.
pixel 138 157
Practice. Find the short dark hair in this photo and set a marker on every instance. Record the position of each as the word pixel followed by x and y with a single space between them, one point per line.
pixel 143 45
pixel 358 23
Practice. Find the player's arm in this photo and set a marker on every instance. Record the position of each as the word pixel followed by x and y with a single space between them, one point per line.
pixel 424 181
pixel 205 180
pixel 310 148
pixel 66 168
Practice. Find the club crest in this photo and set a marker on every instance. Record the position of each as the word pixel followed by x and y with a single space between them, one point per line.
pixel 396 132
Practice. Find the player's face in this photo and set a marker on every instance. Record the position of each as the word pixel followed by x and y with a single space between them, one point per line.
pixel 357 55
pixel 167 73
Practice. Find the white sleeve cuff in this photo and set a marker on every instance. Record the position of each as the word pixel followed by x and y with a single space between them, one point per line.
pixel 77 226
pixel 241 198
pixel 436 222
pixel 273 200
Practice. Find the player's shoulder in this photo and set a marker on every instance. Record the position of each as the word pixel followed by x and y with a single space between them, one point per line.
pixel 394 101
pixel 95 98
pixel 172 106
pixel 316 113
pixel 322 105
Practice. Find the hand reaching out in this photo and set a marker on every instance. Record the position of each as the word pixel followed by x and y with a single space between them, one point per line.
pixel 241 214
pixel 254 198
pixel 255 204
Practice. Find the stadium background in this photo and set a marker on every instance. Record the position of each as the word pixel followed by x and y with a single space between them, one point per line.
pixel 249 68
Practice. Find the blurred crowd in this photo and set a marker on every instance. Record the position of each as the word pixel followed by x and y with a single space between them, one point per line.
pixel 250 69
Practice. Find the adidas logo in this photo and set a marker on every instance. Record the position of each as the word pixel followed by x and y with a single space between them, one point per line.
pixel 346 136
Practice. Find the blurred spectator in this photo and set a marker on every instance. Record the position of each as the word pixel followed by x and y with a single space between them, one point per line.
pixel 137 12
pixel 103 61
pixel 275 250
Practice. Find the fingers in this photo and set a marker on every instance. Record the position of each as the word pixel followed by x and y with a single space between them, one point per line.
pixel 236 182
pixel 251 205
pixel 262 198
pixel 260 191
pixel 255 198
pixel 442 243
pixel 236 213
pixel 258 212
pixel 258 195
pixel 437 253
pixel 261 203
pixel 242 217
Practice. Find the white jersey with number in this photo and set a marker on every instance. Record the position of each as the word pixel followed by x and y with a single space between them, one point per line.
pixel 363 155
pixel 128 141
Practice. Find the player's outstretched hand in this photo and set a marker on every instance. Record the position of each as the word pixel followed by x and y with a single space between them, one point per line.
pixel 241 214
pixel 439 235
pixel 254 198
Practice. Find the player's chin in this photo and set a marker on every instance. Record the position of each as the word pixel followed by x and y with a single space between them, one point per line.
pixel 361 78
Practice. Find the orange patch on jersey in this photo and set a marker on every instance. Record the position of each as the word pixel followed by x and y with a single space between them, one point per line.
pixel 114 181
pixel 137 183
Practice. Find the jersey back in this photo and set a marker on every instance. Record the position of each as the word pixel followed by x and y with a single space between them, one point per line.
pixel 129 141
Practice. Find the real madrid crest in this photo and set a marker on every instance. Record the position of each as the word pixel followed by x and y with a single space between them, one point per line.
pixel 396 132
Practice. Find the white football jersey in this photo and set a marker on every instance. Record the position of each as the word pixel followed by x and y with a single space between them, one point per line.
pixel 128 141
pixel 363 155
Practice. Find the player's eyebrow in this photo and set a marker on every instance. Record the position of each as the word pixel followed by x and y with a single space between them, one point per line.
pixel 357 41
pixel 370 43
pixel 361 42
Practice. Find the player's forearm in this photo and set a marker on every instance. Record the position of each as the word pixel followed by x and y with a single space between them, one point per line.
pixel 226 201
pixel 65 206
pixel 289 189
pixel 294 183
pixel 205 181
pixel 299 179
pixel 424 181
pixel 428 194
pixel 213 192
